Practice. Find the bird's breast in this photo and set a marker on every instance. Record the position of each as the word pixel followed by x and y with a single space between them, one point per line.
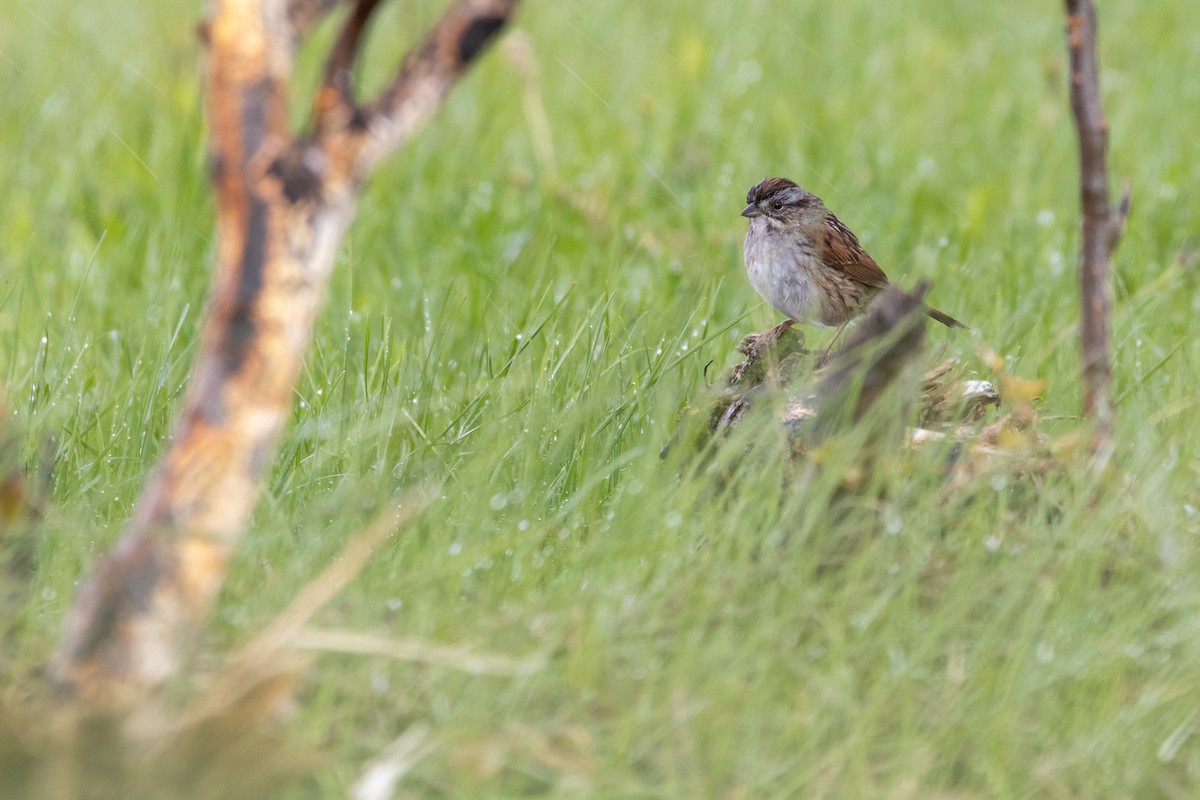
pixel 781 270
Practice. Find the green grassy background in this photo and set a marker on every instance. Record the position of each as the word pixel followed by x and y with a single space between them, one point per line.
pixel 522 330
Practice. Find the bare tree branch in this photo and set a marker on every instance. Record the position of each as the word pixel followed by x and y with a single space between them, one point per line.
pixel 890 338
pixel 335 99
pixel 429 71
pixel 304 15
pixel 283 204
pixel 1102 226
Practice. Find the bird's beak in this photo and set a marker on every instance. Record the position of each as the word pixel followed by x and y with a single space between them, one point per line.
pixel 751 211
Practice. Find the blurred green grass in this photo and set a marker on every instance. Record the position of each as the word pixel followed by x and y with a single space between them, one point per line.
pixel 524 335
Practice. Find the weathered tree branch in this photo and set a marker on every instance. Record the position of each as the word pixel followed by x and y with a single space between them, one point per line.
pixel 304 15
pixel 283 204
pixel 890 337
pixel 338 70
pixel 888 340
pixel 1102 226
pixel 428 73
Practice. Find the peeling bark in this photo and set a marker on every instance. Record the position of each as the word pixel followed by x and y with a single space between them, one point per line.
pixel 283 203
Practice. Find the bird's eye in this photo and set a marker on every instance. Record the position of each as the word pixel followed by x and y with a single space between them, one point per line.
pixel 777 205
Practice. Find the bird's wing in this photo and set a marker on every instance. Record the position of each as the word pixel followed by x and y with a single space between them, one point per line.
pixel 843 251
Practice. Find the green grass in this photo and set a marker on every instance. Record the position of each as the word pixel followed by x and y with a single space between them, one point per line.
pixel 524 337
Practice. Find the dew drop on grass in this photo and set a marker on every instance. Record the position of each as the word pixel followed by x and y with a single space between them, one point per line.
pixel 1056 263
pixel 748 72
pixel 54 105
pixel 455 548
pixel 674 519
pixel 498 501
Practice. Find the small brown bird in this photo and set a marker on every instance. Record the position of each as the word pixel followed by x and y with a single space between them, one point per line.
pixel 804 261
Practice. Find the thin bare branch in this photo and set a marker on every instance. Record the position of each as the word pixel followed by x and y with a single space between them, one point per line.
pixel 1102 226
pixel 428 72
pixel 304 15
pixel 889 338
pixel 335 99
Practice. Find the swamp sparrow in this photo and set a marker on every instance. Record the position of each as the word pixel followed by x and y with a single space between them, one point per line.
pixel 805 262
